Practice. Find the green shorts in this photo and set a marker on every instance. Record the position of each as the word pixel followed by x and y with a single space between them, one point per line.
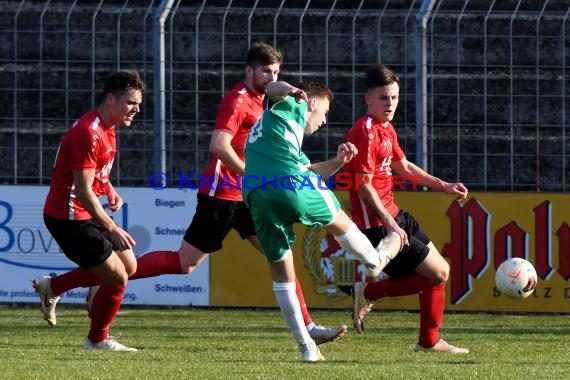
pixel 275 210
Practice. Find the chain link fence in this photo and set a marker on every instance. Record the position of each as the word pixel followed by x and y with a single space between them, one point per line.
pixel 496 74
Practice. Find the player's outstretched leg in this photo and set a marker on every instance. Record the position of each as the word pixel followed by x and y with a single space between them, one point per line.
pixel 374 259
pixel 387 249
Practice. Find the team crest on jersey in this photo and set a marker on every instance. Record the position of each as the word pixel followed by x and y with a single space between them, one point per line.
pixel 386 148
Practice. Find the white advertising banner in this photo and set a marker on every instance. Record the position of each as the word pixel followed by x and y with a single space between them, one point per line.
pixel 157 219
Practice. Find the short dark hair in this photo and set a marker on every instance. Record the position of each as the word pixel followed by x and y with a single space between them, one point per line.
pixel 262 54
pixel 317 90
pixel 120 82
pixel 380 76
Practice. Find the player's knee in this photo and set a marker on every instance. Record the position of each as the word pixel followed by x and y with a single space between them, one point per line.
pixel 190 258
pixel 187 269
pixel 131 269
pixel 187 265
pixel 118 278
pixel 131 272
pixel 340 224
pixel 443 277
pixel 122 279
pixel 439 267
pixel 443 274
pixel 440 274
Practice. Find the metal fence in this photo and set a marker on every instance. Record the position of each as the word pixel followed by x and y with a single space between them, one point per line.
pixel 496 75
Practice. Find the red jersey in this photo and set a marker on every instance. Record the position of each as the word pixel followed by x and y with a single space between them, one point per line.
pixel 377 148
pixel 237 113
pixel 88 144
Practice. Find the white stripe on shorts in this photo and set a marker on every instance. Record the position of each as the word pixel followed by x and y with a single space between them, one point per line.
pixel 326 194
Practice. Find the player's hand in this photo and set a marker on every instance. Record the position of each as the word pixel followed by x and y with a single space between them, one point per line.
pixel 346 152
pixel 121 239
pixel 298 94
pixel 394 227
pixel 115 201
pixel 458 189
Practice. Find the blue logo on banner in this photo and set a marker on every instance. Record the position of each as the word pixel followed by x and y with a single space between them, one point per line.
pixel 27 243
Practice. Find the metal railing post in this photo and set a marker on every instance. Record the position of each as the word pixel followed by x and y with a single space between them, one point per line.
pixel 537 97
pixel 159 87
pixel 223 49
pixel 421 83
pixel 485 97
pixel 170 83
pixel 301 40
pixel 93 42
pixel 353 53
pixel 15 94
pixel 67 17
pixel 563 97
pixel 41 95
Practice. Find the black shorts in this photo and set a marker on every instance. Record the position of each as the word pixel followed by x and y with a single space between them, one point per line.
pixel 83 241
pixel 411 256
pixel 213 220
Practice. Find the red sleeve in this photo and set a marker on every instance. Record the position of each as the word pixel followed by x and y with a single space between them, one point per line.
pixel 365 141
pixel 231 113
pixel 84 149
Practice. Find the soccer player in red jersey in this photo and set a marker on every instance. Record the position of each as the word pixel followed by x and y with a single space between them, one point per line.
pixel 74 215
pixel 220 207
pixel 418 268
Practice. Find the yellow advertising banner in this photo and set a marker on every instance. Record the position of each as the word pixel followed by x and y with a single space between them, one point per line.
pixel 475 236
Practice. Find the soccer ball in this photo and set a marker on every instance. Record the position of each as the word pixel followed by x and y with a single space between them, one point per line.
pixel 516 278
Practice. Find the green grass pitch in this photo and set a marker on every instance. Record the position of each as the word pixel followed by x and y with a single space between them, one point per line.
pixel 203 343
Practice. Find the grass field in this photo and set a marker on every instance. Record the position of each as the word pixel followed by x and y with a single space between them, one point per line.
pixel 200 343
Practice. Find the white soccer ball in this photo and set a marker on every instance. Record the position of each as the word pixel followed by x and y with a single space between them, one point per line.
pixel 516 278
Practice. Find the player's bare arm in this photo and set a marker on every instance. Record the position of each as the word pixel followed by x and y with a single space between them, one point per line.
pixel 372 200
pixel 221 146
pixel 345 153
pixel 279 90
pixel 407 168
pixel 83 180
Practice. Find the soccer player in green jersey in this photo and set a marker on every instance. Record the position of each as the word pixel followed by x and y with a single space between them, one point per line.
pixel 283 187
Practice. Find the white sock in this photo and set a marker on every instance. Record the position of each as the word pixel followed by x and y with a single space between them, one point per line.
pixel 291 310
pixel 354 241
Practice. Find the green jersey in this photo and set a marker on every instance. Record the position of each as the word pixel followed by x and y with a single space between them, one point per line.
pixel 273 147
pixel 277 186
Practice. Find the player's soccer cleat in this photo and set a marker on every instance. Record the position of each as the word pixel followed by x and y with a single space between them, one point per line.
pixel 109 344
pixel 443 347
pixel 48 300
pixel 323 334
pixel 310 353
pixel 360 306
pixel 89 298
pixel 387 249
